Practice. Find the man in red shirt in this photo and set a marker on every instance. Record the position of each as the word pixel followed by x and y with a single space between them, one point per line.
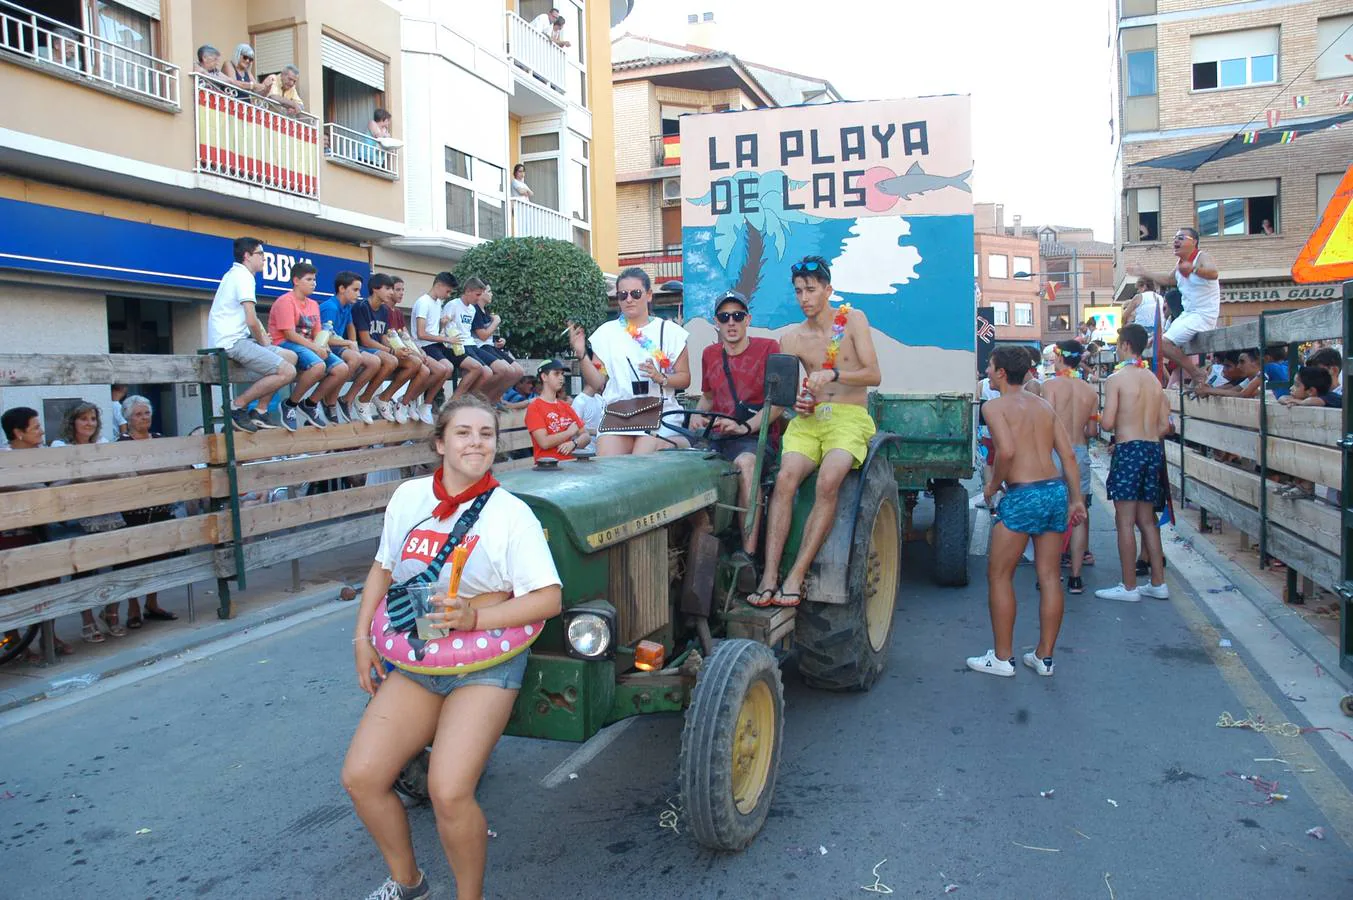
pixel 556 430
pixel 293 323
pixel 734 382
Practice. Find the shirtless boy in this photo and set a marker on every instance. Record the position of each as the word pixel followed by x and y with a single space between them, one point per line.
pixel 1037 503
pixel 1076 405
pixel 1136 411
pixel 831 432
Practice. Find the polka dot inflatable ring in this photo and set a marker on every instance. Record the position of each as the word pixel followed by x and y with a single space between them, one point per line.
pixel 459 653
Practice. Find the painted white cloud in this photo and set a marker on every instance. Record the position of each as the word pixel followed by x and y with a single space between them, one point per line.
pixel 873 258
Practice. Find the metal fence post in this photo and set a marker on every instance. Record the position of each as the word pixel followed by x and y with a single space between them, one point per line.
pixel 209 421
pixel 1263 444
pixel 1346 550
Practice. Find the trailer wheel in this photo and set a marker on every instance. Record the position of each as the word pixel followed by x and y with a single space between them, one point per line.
pixel 843 647
pixel 951 534
pixel 730 745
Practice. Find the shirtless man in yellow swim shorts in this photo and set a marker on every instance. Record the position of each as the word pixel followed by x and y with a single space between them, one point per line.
pixel 831 431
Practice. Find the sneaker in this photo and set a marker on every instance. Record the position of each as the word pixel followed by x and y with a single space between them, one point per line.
pixel 1040 666
pixel 386 409
pixel 425 413
pixel 1119 592
pixel 315 414
pixel 363 412
pixel 261 420
pixel 992 664
pixel 336 415
pixel 393 890
pixel 287 417
pixel 1154 591
pixel 240 420
pixel 401 414
pixel 1075 584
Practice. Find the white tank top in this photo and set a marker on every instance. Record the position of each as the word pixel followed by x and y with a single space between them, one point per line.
pixel 1147 310
pixel 1200 295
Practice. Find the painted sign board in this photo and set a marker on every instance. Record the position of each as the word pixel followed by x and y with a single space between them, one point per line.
pixel 1106 319
pixel 880 189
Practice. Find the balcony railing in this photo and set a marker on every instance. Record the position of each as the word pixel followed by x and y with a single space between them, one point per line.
pixel 246 138
pixel 535 52
pixel 661 265
pixel 666 149
pixel 60 48
pixel 533 220
pixel 359 151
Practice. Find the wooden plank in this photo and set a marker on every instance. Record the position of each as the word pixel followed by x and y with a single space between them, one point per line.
pixel 508 441
pixel 279 473
pixel 1323 465
pixel 268 517
pixel 1311 323
pixel 39 369
pixel 1310 424
pixel 55 600
pixel 100 460
pixel 1316 522
pixel 40 506
pixel 273 550
pixel 88 553
pixel 353 436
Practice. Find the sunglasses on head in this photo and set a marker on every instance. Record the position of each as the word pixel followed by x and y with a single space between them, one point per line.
pixel 634 294
pixel 811 265
pixel 736 315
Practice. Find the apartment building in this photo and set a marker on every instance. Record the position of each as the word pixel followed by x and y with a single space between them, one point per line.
pixel 1077 275
pixel 1007 272
pixel 125 173
pixel 1224 117
pixel 655 83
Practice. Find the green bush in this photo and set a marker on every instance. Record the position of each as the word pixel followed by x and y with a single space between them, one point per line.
pixel 539 284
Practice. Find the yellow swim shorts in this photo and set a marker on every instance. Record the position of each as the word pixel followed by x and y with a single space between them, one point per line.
pixel 832 426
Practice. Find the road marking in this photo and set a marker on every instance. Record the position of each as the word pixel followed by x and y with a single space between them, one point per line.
pixel 589 751
pixel 981 533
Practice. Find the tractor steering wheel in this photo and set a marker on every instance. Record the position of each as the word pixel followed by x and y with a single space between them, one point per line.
pixel 707 434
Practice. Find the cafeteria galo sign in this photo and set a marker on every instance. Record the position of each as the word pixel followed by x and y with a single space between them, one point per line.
pixel 1282 292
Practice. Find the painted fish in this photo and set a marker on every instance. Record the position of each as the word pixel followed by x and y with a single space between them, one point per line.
pixel 917 181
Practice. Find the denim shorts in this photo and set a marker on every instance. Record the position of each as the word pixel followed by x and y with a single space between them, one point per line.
pixel 506 675
pixel 307 358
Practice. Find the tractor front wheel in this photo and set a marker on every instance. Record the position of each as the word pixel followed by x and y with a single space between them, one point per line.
pixel 730 745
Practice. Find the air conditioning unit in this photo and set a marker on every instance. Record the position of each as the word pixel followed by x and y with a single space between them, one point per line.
pixel 671 191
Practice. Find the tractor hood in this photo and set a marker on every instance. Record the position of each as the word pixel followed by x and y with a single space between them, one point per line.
pixel 609 500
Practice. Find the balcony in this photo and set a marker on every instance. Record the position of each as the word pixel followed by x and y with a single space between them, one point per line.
pixel 666 149
pixel 532 51
pixel 533 220
pixel 661 265
pixel 60 49
pixel 245 138
pixel 359 151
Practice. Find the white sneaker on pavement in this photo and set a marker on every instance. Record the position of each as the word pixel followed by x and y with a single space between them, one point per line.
pixel 1154 591
pixel 1119 592
pixel 1039 665
pixel 991 664
pixel 386 408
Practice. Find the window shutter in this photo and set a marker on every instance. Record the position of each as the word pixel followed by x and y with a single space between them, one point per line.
pixel 1148 200
pixel 273 50
pixel 150 8
pixel 1234 44
pixel 1233 190
pixel 354 64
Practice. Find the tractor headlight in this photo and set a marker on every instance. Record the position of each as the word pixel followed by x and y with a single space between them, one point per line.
pixel 590 630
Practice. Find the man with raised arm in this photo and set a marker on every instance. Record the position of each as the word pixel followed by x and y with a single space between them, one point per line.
pixel 831 432
pixel 1196 276
pixel 1077 407
pixel 1136 411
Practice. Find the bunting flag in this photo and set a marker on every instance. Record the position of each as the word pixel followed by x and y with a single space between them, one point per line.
pixel 1273 116
pixel 1345 98
pixel 1051 290
pixel 1250 137
pixel 1299 101
pixel 1287 137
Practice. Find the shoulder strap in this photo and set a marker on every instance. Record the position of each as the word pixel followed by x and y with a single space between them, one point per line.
pixel 397 602
pixel 728 373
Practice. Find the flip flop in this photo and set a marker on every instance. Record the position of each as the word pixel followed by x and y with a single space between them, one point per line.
pixel 159 615
pixel 766 597
pixel 780 599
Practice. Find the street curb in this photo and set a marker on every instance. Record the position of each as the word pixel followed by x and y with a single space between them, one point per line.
pixel 171 645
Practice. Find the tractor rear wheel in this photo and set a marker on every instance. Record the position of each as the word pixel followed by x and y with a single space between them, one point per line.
pixel 951 534
pixel 730 745
pixel 843 647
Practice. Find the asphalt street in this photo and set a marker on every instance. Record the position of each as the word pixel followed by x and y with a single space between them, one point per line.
pixel 219 778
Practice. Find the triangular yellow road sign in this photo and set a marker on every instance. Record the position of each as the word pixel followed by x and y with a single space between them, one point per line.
pixel 1328 255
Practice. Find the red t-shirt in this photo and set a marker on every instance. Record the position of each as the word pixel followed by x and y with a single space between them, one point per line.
pixel 749 374
pixel 397 322
pixel 291 312
pixel 554 418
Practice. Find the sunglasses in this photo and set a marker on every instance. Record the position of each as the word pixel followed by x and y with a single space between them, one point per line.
pixel 725 317
pixel 635 294
pixel 810 266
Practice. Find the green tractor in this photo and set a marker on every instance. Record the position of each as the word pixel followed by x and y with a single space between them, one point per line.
pixel 654 619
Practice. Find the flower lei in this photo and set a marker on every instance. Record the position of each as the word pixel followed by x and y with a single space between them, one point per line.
pixel 1138 363
pixel 1070 373
pixel 838 333
pixel 663 362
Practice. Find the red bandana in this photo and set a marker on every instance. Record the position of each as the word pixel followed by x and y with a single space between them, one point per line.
pixel 448 504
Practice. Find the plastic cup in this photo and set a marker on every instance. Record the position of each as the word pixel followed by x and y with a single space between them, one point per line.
pixel 426 600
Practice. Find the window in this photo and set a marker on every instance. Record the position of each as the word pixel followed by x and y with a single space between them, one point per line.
pixel 1143 209
pixel 1324 190
pixel 580 185
pixel 354 84
pixel 582 238
pixel 457 163
pixel 708 17
pixel 1338 59
pixel 130 26
pixel 1000 314
pixel 976 265
pixel 692 18
pixel 459 209
pixel 476 195
pixel 1024 313
pixel 998 265
pixel 492 220
pixel 1235 59
pixel 1141 73
pixel 1237 208
pixel 1059 318
pixel 1024 264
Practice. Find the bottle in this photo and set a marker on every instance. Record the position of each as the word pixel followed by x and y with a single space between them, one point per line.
pixel 395 342
pixel 807 404
pixel 322 339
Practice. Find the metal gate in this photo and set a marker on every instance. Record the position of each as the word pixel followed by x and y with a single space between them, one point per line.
pixel 1346 493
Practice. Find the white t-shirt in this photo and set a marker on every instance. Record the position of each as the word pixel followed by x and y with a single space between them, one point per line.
pixel 590 408
pixel 426 307
pixel 622 355
pixel 542 23
pixel 509 552
pixel 226 323
pixel 462 317
pixel 1147 309
pixel 1200 295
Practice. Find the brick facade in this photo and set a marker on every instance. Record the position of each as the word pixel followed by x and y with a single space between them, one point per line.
pixel 1010 290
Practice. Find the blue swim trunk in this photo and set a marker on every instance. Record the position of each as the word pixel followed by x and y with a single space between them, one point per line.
pixel 507 675
pixel 306 358
pixel 1134 473
pixel 1034 507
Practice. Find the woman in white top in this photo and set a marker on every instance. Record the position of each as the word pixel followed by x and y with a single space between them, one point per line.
pixel 509 585
pixel 1146 308
pixel 519 185
pixel 641 356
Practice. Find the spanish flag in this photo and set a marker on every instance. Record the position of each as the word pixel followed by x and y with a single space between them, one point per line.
pixel 671 149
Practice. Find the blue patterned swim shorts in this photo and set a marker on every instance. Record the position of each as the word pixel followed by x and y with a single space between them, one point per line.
pixel 1134 474
pixel 1034 507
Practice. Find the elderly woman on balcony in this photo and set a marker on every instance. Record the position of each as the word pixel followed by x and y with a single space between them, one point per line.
pixel 239 69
